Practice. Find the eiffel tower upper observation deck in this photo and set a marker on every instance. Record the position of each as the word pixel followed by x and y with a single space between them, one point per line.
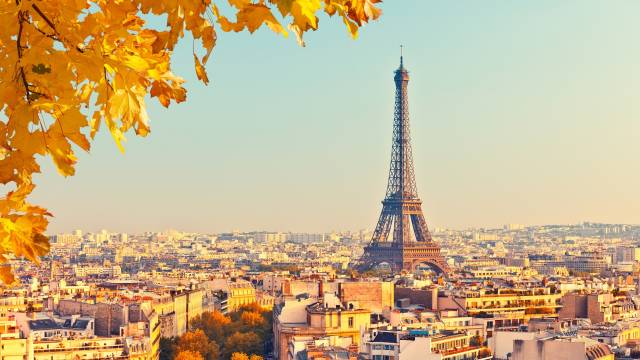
pixel 402 238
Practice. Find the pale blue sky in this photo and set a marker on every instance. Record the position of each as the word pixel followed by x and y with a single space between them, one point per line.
pixel 522 112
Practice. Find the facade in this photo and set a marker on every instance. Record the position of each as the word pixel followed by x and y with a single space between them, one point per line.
pixel 560 349
pixel 12 346
pixel 240 293
pixel 597 307
pixel 176 309
pixel 402 345
pixel 38 336
pixel 377 296
pixel 532 302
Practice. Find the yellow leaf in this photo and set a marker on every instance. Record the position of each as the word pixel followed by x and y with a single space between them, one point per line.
pixel 70 124
pixel 251 17
pixel 208 41
pixel 6 275
pixel 124 105
pixel 239 4
pixel 304 18
pixel 95 123
pixel 200 70
pixel 304 13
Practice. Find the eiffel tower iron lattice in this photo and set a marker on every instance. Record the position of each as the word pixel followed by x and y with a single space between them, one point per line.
pixel 402 238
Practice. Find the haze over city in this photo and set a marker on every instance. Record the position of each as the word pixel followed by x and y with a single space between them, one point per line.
pixel 520 113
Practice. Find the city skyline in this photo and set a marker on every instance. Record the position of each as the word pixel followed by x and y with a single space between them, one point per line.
pixel 504 128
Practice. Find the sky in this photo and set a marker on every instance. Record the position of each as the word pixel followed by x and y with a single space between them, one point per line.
pixel 521 112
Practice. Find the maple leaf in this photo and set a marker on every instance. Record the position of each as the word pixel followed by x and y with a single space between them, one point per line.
pixel 200 70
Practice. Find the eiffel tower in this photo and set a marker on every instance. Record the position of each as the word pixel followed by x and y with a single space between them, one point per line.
pixel 401 238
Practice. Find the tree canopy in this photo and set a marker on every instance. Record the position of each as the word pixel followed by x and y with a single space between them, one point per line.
pixel 69 68
pixel 197 341
pixel 189 355
pixel 245 332
pixel 243 356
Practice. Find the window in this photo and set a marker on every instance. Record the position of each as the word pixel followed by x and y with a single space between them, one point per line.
pixel 388 347
pixel 350 321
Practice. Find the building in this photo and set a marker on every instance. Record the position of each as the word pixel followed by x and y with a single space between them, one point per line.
pixel 557 348
pixel 627 254
pixel 409 345
pixel 240 292
pixel 517 304
pixel 377 296
pixel 12 346
pixel 326 317
pixel 597 307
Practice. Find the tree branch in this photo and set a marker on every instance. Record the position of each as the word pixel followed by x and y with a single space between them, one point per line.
pixel 21 20
pixel 52 26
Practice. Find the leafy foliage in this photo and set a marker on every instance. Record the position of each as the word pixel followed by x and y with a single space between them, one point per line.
pixel 67 68
pixel 214 324
pixel 244 331
pixel 243 356
pixel 197 341
pixel 245 342
pixel 189 355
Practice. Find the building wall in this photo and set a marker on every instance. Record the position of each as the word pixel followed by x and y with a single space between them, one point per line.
pixel 574 306
pixel 425 297
pixel 548 350
pixel 589 306
pixel 180 309
pixel 109 317
pixel 99 348
pixel 376 296
pixel 13 349
pixel 501 343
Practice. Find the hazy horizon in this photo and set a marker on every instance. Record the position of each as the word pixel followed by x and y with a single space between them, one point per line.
pixel 521 113
pixel 187 231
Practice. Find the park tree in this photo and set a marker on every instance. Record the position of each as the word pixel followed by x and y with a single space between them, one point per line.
pixel 189 355
pixel 243 356
pixel 197 341
pixel 214 324
pixel 68 68
pixel 252 319
pixel 245 342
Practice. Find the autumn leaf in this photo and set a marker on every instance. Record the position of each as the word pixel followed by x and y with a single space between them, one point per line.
pixel 200 70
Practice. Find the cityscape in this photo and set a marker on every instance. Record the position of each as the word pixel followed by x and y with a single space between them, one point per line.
pixel 529 113
pixel 508 293
pixel 400 291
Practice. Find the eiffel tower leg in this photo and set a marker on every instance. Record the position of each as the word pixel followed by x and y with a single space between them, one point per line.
pixel 382 228
pixel 420 228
